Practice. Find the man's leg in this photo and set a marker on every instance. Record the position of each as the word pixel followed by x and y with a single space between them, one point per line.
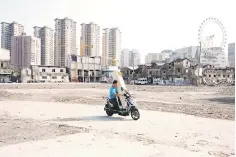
pixel 119 101
pixel 115 103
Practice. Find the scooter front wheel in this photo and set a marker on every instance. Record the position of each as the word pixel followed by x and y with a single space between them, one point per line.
pixel 135 114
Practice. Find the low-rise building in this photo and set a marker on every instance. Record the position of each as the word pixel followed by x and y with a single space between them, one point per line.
pixel 182 72
pixel 85 68
pixel 44 74
pixel 179 68
pixel 154 71
pixel 215 76
pixel 6 68
pixel 6 71
pixel 177 71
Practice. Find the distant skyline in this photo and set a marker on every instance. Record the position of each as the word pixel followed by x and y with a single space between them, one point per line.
pixel 149 26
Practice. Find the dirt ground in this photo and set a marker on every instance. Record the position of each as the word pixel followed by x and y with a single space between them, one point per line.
pixel 213 102
pixel 40 112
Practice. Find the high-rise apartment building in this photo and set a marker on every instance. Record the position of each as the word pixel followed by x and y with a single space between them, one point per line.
pixel 191 52
pixel 231 54
pixel 25 51
pixel 215 56
pixel 47 44
pixel 130 58
pixel 150 57
pixel 90 40
pixel 111 47
pixel 65 40
pixel 9 30
pixel 125 61
pixel 134 58
pixel 105 47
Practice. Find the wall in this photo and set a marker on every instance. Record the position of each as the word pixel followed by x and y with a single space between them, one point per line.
pixel 44 74
pixel 4 54
pixel 5 71
pixel 88 68
pixel 218 76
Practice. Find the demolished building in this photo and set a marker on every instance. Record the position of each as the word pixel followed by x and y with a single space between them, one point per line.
pixel 216 76
pixel 181 72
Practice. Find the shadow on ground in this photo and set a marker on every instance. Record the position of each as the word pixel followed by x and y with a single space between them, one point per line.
pixel 93 118
pixel 227 100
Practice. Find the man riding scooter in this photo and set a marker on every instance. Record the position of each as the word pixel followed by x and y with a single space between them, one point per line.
pixel 114 96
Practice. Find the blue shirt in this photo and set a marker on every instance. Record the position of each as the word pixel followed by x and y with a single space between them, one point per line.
pixel 113 92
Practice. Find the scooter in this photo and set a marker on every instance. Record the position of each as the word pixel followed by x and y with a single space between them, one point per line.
pixel 130 109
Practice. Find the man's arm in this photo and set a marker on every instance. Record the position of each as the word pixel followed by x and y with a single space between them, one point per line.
pixel 117 93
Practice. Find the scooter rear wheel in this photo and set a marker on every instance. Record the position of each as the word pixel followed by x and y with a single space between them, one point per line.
pixel 109 113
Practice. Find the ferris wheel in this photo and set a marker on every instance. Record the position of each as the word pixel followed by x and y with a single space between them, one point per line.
pixel 206 42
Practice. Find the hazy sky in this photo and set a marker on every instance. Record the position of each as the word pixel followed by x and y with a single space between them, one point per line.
pixel 147 25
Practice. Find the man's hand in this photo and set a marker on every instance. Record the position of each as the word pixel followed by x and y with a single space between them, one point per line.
pixel 118 95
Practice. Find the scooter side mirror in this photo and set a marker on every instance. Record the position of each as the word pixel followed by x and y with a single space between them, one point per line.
pixel 122 89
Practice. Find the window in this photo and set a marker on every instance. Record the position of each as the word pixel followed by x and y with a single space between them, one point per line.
pixel 44 77
pixel 61 70
pixel 1 65
pixel 223 75
pixel 209 75
pixel 219 75
pixel 164 71
pixel 214 75
pixel 178 70
pixel 228 76
pixel 53 70
pixel 54 77
pixel 43 70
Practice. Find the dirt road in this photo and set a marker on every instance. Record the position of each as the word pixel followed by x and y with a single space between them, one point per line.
pixel 212 102
pixel 50 120
pixel 89 132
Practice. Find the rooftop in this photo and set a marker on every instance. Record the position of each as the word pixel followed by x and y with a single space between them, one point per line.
pixel 66 18
pixel 43 27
